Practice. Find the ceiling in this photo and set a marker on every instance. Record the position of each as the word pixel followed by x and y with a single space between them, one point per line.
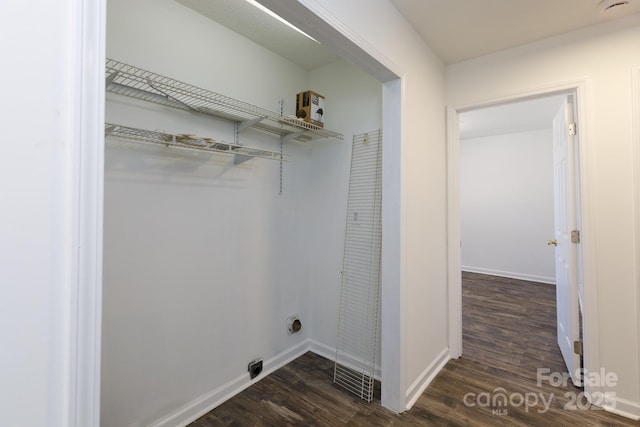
pixel 250 22
pixel 462 29
pixel 455 30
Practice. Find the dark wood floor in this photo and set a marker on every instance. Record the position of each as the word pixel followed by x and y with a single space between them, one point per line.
pixel 508 332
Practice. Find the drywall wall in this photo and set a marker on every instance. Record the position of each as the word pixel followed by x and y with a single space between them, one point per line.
pixel 353 102
pixel 34 221
pixel 506 205
pixel 203 54
pixel 605 56
pixel 203 260
pixel 50 168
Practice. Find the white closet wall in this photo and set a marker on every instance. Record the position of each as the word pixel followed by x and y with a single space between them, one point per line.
pixel 356 101
pixel 203 260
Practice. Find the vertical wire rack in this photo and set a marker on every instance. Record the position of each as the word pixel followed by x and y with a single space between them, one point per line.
pixel 359 313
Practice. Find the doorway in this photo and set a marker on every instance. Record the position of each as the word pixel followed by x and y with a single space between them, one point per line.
pixel 588 299
pixel 515 209
pixel 506 189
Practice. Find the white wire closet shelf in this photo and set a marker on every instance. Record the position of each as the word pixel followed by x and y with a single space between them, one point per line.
pixel 187 141
pixel 135 82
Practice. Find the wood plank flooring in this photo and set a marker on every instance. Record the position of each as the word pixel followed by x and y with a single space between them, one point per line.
pixel 509 331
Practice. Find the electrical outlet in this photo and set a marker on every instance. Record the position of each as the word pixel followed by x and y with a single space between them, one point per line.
pixel 255 368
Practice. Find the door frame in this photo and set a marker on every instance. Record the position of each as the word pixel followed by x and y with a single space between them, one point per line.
pixel 85 214
pixel 635 127
pixel 586 158
pixel 566 218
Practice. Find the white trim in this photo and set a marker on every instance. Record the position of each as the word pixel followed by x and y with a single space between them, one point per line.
pixel 453 234
pixel 348 360
pixel 323 350
pixel 591 329
pixel 424 379
pixel 414 391
pixel 325 27
pixel 86 182
pixel 193 410
pixel 393 292
pixel 542 90
pixel 624 408
pixel 635 126
pixel 319 10
pixel 510 274
pixel 581 87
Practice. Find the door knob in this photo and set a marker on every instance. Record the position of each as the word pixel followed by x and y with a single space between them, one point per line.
pixel 553 242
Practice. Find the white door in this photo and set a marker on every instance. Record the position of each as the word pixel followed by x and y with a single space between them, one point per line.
pixel 566 251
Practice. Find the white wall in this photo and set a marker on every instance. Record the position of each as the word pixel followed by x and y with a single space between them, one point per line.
pixel 34 198
pixel 354 103
pixel 605 56
pixel 177 42
pixel 43 242
pixel 204 261
pixel 506 205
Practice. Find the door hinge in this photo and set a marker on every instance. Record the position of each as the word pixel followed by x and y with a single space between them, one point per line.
pixel 573 128
pixel 577 347
pixel 575 236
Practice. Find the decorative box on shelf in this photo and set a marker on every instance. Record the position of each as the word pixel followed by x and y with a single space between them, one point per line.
pixel 310 107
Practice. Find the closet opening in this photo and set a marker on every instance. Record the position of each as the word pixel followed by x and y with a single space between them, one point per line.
pixel 223 223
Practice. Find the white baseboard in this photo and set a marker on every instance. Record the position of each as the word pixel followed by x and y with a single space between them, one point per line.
pixel 624 408
pixel 349 361
pixel 424 379
pixel 200 406
pixel 323 350
pixel 510 274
